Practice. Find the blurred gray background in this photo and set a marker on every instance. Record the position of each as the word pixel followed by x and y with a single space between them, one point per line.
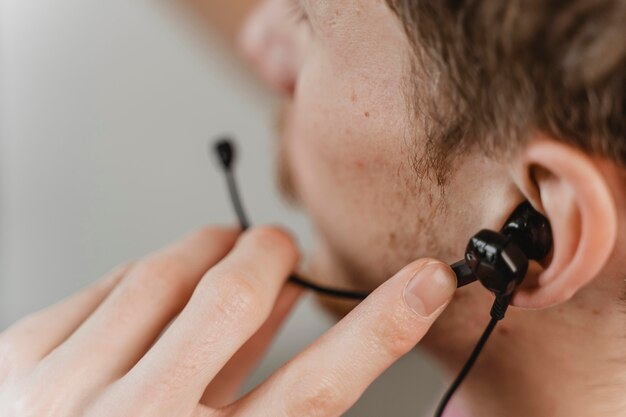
pixel 106 110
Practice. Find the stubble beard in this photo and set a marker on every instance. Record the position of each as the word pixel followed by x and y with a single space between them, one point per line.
pixel 284 171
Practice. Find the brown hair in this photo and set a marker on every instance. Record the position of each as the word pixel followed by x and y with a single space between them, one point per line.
pixel 489 72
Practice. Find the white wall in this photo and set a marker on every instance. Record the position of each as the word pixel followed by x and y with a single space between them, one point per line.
pixel 106 111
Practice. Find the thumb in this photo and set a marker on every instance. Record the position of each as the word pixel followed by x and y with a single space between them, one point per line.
pixel 429 287
pixel 330 375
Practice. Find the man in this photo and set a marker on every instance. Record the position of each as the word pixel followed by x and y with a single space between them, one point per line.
pixel 410 126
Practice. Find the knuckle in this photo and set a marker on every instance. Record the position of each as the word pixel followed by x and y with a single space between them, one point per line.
pixel 218 234
pixel 392 334
pixel 236 296
pixel 317 397
pixel 160 274
pixel 273 237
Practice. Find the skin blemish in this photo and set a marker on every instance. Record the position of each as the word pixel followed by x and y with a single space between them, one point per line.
pixel 504 331
pixel 360 164
pixel 353 97
pixel 367 114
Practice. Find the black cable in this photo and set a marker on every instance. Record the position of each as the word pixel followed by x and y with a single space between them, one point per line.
pixel 466 368
pixel 333 292
pixel 235 199
pixel 498 311
pixel 226 155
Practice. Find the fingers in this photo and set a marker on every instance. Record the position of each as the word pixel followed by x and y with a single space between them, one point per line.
pixel 227 384
pixel 38 334
pixel 329 377
pixel 230 304
pixel 129 320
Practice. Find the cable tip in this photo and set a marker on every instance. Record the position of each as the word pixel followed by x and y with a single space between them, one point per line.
pixel 225 150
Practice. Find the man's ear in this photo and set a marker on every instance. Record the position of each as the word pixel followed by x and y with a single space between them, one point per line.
pixel 569 187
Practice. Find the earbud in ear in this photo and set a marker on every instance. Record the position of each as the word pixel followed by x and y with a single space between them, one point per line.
pixel 530 230
pixel 499 260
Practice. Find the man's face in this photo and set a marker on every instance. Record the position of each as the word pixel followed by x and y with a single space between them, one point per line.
pixel 350 141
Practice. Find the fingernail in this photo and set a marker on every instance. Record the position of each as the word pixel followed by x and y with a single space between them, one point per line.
pixel 430 288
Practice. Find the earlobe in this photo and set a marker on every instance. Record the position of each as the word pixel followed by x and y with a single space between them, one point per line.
pixel 571 190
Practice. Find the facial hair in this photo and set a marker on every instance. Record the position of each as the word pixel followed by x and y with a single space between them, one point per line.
pixel 284 170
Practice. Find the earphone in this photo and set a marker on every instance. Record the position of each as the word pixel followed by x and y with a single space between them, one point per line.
pixel 498 260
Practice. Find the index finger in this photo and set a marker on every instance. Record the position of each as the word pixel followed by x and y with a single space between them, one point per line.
pixel 228 306
pixel 329 377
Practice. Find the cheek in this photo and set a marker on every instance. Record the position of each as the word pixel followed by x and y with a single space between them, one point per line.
pixel 349 157
pixel 342 134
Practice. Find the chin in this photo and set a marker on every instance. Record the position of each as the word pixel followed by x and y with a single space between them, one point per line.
pixel 323 269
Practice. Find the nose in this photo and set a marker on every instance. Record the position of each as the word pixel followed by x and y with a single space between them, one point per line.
pixel 268 40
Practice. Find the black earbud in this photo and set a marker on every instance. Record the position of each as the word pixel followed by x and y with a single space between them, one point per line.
pixel 499 260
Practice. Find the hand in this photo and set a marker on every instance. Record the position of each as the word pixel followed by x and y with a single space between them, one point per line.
pixel 108 351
